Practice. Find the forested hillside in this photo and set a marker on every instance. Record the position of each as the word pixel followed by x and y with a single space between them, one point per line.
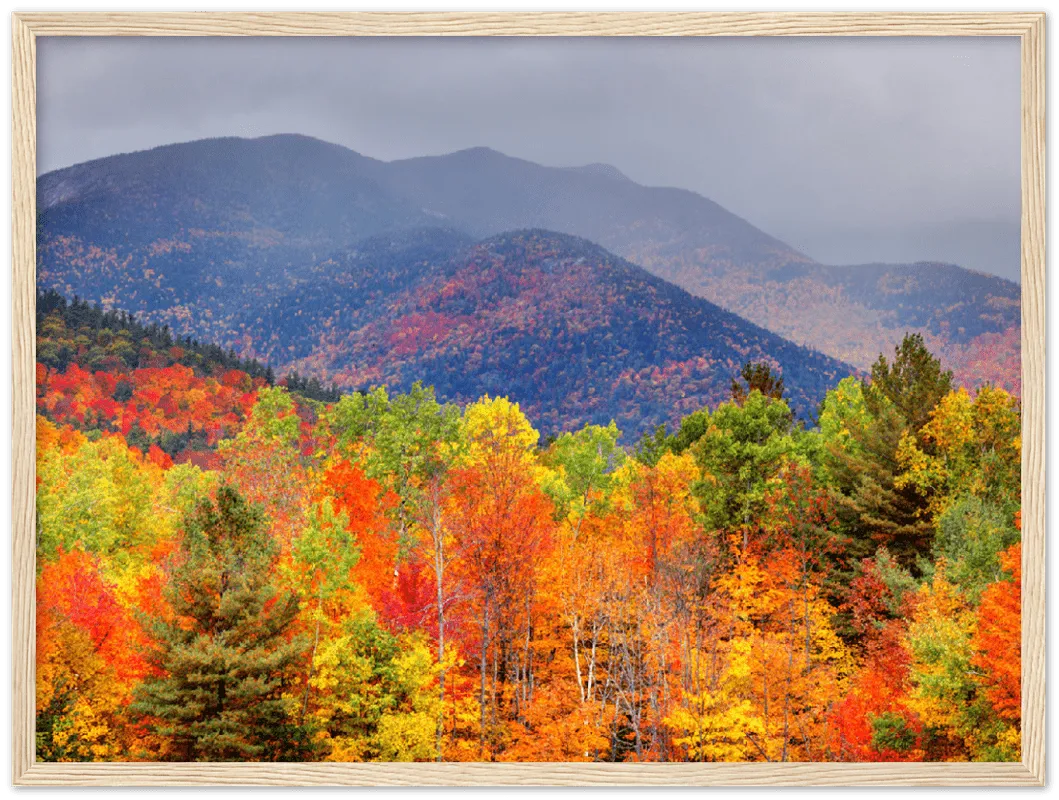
pixel 184 232
pixel 230 570
pixel 578 334
pixel 854 312
pixel 171 397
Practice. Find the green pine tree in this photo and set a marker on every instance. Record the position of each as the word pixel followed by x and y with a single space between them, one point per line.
pixel 226 658
pixel 874 511
pixel 861 461
pixel 914 384
pixel 758 376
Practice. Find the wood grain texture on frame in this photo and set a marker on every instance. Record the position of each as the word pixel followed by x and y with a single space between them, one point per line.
pixel 1028 26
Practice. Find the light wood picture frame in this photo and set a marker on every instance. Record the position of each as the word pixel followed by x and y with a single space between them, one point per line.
pixel 1028 27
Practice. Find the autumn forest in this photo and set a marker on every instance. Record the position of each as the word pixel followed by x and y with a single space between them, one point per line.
pixel 235 565
pixel 469 458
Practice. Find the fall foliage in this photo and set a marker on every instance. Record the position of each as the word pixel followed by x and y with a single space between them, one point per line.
pixel 235 567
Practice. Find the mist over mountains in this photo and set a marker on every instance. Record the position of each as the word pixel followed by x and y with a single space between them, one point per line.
pixel 310 255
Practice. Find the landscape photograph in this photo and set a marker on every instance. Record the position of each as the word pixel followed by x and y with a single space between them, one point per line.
pixel 528 399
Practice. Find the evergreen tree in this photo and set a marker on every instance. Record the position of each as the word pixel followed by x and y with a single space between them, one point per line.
pixel 874 510
pixel 224 659
pixel 756 376
pixel 914 384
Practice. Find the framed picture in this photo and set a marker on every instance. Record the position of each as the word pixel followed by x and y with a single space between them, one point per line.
pixel 29 29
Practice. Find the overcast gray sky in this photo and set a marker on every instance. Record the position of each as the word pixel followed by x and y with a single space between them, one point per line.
pixel 852 150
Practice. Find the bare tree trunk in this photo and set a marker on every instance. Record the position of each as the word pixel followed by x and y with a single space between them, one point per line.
pixel 787 693
pixel 575 629
pixel 592 659
pixel 765 682
pixel 501 644
pixel 312 656
pixel 439 575
pixel 808 623
pixel 527 655
pixel 481 670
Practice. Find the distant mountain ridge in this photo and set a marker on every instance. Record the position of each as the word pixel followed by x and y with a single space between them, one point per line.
pixel 150 230
pixel 309 192
pixel 573 332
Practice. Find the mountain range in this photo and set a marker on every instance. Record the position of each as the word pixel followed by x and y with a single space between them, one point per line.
pixel 310 255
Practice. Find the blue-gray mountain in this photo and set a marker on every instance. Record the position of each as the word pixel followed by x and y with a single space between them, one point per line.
pixel 281 246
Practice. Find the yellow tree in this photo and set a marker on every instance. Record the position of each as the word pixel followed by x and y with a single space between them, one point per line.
pixel 970 446
pixel 718 721
pixel 939 638
pixel 797 663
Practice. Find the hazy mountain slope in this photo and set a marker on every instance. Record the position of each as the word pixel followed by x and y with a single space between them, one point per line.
pixel 573 332
pixel 150 230
pixel 349 289
pixel 486 192
pixel 852 313
pixel 300 190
